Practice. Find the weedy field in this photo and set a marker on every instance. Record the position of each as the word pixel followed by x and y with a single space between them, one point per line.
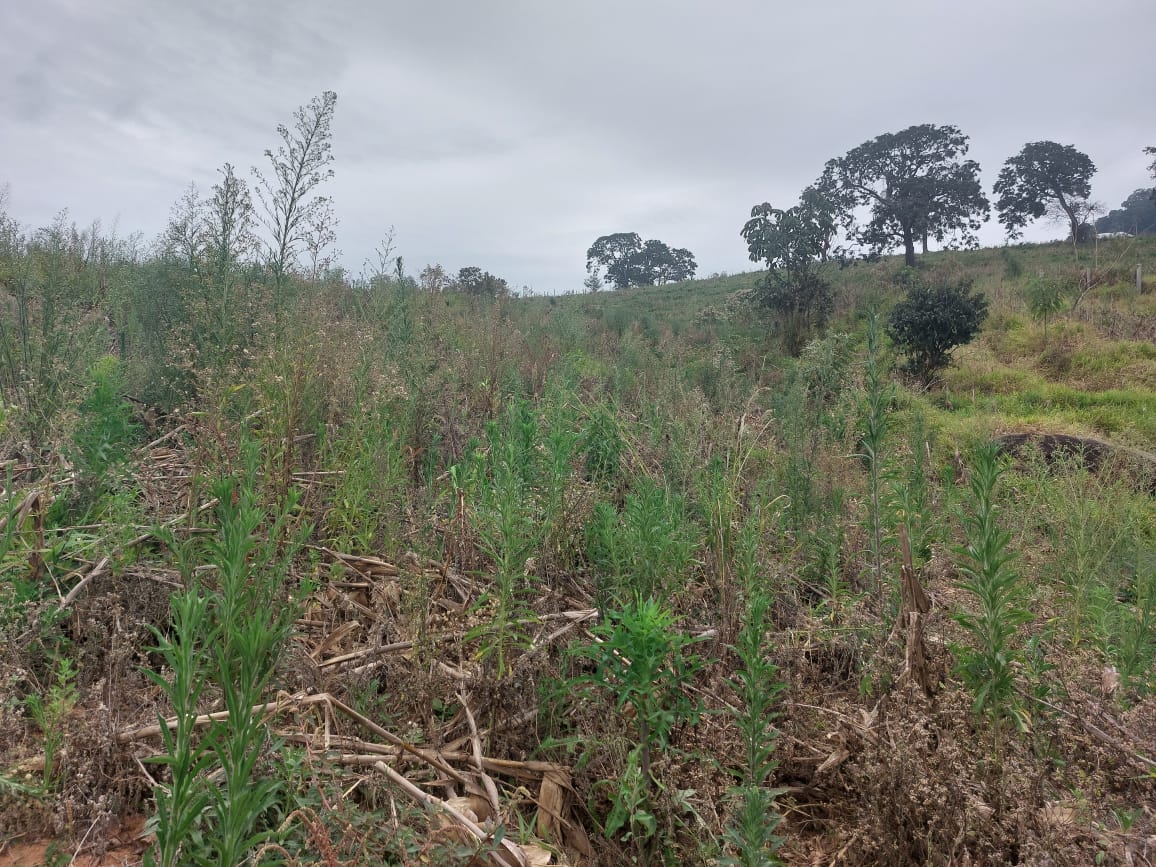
pixel 357 574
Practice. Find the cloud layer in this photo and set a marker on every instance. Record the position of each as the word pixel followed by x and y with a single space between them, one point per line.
pixel 511 134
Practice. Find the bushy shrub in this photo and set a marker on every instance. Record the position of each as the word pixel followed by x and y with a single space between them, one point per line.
pixel 803 300
pixel 933 320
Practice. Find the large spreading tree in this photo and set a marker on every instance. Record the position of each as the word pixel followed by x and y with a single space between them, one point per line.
pixel 916 185
pixel 1045 177
pixel 628 261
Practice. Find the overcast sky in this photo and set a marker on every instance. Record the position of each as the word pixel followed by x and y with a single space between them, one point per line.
pixel 509 135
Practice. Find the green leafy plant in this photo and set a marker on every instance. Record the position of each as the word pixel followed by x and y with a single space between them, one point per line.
pixel 369 454
pixel 986 565
pixel 181 805
pixel 750 832
pixel 502 485
pixel 49 711
pixel 1127 620
pixel 646 550
pixel 101 442
pixel 645 661
pixel 228 634
pixel 253 610
pixel 1012 266
pixel 933 320
pixel 601 445
pixel 1097 524
pixel 508 530
pixel 1045 297
pixel 908 493
pixel 794 243
pixel 877 397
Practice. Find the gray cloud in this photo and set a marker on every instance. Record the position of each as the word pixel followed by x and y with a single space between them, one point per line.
pixel 510 134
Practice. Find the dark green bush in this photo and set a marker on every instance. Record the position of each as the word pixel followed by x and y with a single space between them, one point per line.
pixel 933 320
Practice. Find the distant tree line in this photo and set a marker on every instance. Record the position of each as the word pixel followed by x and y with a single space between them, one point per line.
pixel 1136 215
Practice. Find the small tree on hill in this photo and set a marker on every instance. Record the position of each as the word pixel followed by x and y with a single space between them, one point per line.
pixel 794 243
pixel 630 262
pixel 1044 177
pixel 933 320
pixel 433 278
pixel 475 281
pixel 1046 297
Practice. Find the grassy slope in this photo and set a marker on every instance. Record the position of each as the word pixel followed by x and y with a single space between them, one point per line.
pixel 1092 374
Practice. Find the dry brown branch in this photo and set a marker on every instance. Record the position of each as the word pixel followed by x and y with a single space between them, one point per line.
pixel 30 502
pixel 144 450
pixel 268 708
pixel 97 571
pixel 101 568
pixel 430 757
pixel 912 617
pixel 508 854
pixel 367 566
pixel 1149 765
pixel 487 782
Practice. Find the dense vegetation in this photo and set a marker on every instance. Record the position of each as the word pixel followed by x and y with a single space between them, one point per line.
pixel 1135 216
pixel 307 569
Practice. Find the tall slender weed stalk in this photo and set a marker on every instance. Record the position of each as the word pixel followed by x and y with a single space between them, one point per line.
pixel 102 440
pixel 183 802
pixel 49 711
pixel 647 549
pixel 877 397
pixel 986 564
pixel 507 521
pixel 750 831
pixel 229 635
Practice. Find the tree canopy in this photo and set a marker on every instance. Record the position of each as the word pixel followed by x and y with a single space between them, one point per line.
pixel 1044 177
pixel 628 261
pixel 474 281
pixel 794 239
pixel 916 184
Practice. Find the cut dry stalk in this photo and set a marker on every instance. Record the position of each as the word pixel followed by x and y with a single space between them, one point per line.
pixel 508 854
pixel 101 568
pixel 487 782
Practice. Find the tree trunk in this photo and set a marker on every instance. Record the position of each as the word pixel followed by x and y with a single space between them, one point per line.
pixel 1073 220
pixel 909 247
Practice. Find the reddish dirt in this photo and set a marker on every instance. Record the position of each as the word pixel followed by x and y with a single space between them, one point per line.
pixel 122 846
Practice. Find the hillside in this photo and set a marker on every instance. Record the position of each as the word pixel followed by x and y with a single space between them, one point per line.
pixel 354 574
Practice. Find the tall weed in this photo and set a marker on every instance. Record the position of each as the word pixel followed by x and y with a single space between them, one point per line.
pixel 986 564
pixel 647 549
